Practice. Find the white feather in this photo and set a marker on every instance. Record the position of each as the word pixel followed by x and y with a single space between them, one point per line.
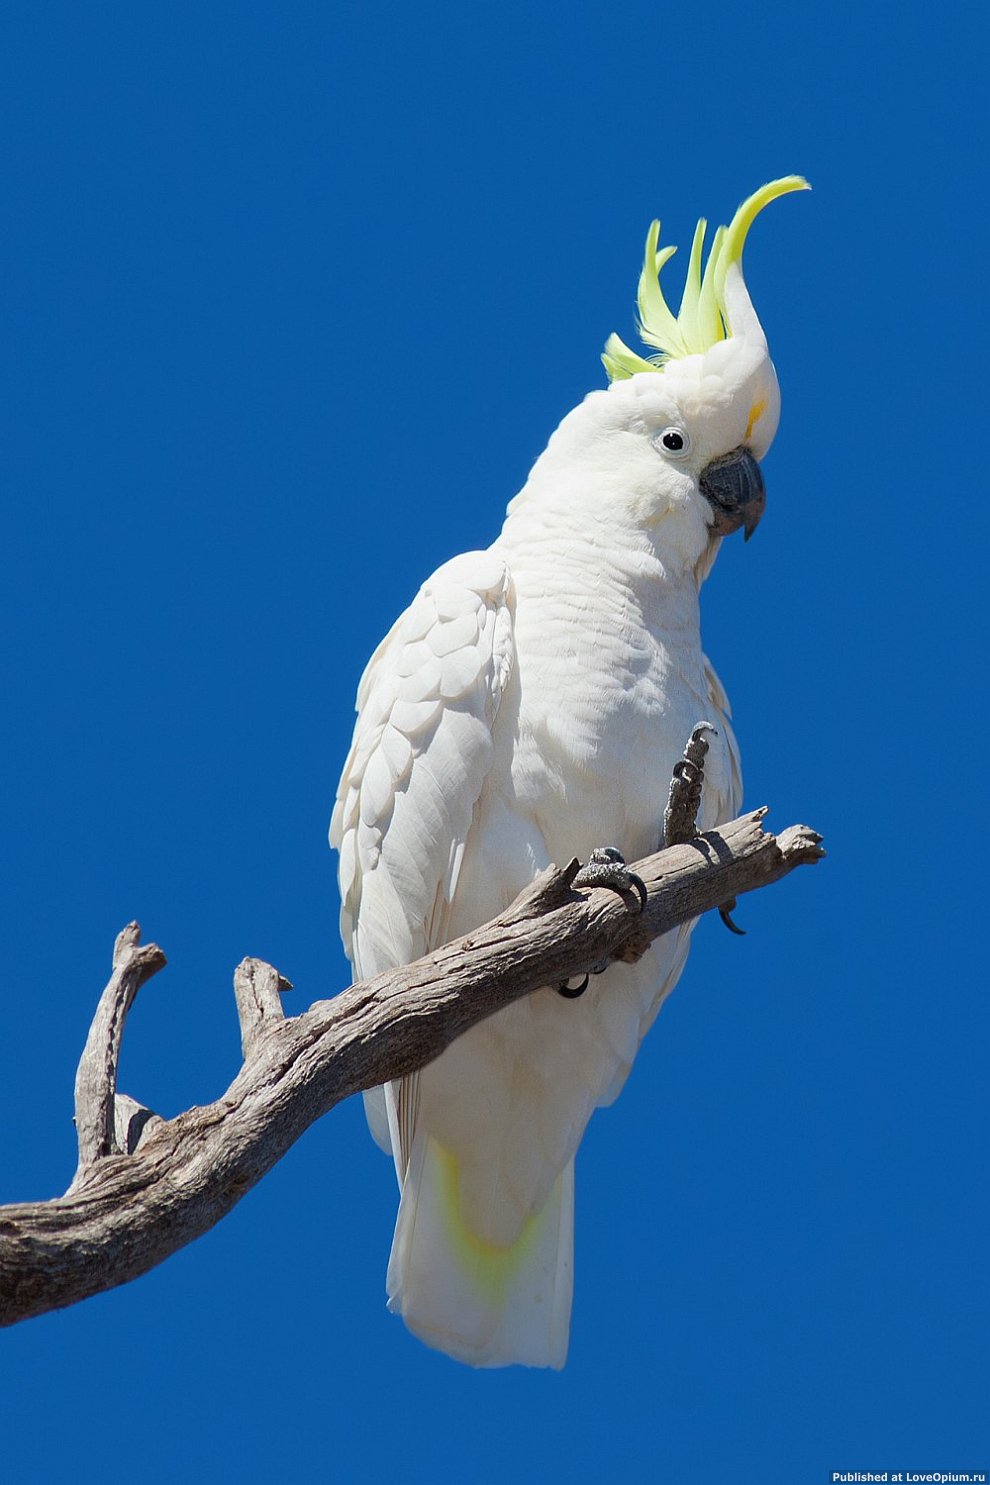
pixel 527 707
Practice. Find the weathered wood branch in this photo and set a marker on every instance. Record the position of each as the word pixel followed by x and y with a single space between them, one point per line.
pixel 146 1186
pixel 96 1076
pixel 258 990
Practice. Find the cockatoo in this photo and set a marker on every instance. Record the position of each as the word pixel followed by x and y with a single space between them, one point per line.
pixel 529 706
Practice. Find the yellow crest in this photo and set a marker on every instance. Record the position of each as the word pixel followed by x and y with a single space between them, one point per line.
pixel 702 320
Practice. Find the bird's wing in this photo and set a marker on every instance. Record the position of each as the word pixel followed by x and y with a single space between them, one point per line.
pixel 729 800
pixel 421 752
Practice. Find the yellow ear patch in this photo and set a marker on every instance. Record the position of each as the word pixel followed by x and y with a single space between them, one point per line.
pixel 755 414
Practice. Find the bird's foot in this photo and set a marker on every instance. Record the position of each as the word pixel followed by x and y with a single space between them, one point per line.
pixel 605 867
pixel 680 818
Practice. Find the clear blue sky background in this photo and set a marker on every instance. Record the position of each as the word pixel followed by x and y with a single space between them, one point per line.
pixel 291 296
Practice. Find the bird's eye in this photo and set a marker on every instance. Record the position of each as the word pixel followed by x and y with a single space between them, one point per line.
pixel 674 442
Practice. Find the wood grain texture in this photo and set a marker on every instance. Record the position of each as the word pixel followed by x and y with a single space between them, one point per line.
pixel 96 1076
pixel 146 1186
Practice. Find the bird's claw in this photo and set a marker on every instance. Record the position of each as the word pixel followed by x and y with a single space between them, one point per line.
pixel 725 913
pixel 680 818
pixel 605 867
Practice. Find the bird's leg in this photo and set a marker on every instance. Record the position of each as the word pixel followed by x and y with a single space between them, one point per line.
pixel 680 818
pixel 605 867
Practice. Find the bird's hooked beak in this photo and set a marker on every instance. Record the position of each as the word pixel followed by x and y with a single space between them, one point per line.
pixel 733 487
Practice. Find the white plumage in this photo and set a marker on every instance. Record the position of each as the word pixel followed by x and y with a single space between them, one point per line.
pixel 528 706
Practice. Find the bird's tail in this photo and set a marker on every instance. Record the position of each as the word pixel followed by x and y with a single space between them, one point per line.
pixel 481 1302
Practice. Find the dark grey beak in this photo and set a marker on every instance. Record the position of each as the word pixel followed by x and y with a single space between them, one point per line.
pixel 733 487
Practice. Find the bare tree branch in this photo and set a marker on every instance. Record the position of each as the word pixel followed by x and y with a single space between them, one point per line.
pixel 131 1120
pixel 96 1077
pixel 146 1186
pixel 257 990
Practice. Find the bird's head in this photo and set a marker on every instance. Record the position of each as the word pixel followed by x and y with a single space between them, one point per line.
pixel 674 444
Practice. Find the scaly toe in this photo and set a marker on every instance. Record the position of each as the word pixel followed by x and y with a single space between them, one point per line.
pixel 680 819
pixel 606 867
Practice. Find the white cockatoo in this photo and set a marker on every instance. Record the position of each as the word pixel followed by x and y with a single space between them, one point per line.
pixel 529 706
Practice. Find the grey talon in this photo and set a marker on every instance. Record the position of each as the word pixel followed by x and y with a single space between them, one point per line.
pixel 725 913
pixel 571 992
pixel 639 886
pixel 606 867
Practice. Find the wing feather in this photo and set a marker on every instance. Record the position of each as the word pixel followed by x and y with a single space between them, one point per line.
pixel 422 750
pixel 730 803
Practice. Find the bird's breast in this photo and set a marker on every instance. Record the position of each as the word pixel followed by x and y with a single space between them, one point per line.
pixel 608 683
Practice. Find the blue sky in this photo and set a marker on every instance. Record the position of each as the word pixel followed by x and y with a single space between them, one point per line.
pixel 291 297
